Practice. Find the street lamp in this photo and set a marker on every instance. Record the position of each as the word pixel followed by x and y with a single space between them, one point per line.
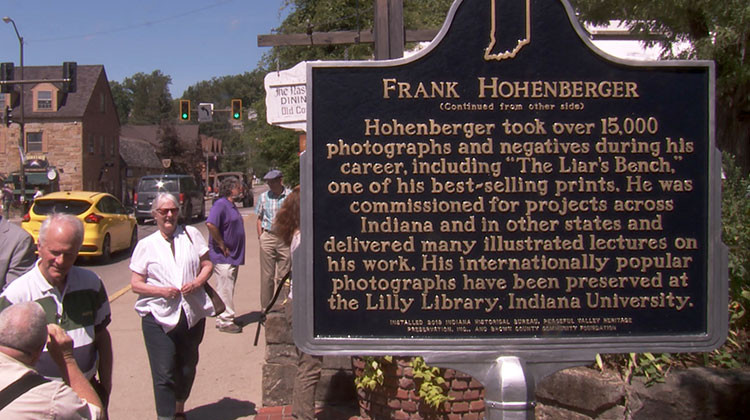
pixel 21 139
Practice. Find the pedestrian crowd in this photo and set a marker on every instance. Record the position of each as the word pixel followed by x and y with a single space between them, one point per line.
pixel 55 348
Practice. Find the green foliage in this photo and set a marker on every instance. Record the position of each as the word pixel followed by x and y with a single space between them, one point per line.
pixel 145 98
pixel 372 375
pixel 185 160
pixel 717 30
pixel 273 147
pixel 735 353
pixel 431 388
pixel 343 15
pixel 735 215
pixel 221 90
pixel 123 101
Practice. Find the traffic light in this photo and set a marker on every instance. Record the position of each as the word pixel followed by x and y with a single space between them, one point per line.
pixel 236 109
pixel 6 73
pixel 184 110
pixel 70 70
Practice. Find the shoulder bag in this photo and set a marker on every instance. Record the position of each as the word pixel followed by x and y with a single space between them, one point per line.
pixel 216 301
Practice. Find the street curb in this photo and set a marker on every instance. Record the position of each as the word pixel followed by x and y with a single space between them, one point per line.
pixel 119 293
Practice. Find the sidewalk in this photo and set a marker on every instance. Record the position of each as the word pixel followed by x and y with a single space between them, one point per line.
pixel 228 385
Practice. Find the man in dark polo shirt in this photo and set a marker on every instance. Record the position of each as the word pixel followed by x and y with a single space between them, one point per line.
pixel 226 249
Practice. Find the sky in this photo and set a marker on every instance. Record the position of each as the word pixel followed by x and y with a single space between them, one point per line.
pixel 188 40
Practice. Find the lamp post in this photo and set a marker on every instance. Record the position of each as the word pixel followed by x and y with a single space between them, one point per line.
pixel 21 146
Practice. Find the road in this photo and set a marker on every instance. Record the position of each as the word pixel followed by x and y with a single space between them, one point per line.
pixel 116 274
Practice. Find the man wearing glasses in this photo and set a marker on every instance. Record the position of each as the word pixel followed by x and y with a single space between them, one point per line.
pixel 72 297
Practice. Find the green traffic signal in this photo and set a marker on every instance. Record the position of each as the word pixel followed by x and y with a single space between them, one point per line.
pixel 236 109
pixel 185 110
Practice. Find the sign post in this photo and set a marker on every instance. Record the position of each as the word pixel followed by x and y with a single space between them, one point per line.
pixel 509 202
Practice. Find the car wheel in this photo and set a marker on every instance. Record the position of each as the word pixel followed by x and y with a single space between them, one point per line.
pixel 140 220
pixel 106 249
pixel 133 239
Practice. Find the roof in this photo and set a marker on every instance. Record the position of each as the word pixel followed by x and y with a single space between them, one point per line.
pixel 75 103
pixel 188 133
pixel 138 153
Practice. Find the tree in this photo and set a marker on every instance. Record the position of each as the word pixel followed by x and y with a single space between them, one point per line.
pixel 220 91
pixel 273 147
pixel 277 147
pixel 717 30
pixel 123 101
pixel 309 16
pixel 145 98
pixel 186 158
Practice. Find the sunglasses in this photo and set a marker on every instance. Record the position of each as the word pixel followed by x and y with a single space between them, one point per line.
pixel 165 212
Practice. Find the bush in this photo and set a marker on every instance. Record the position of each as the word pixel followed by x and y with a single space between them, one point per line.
pixel 735 353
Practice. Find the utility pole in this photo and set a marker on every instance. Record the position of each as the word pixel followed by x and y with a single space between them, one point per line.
pixel 21 139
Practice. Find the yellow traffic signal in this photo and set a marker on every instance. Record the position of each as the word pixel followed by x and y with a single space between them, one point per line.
pixel 236 109
pixel 184 110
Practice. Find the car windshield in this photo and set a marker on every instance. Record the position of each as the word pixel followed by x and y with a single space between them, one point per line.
pixel 74 207
pixel 155 185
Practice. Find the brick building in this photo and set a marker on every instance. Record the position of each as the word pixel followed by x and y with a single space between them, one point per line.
pixel 76 132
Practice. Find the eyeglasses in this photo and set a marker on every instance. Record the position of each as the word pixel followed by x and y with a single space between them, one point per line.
pixel 165 212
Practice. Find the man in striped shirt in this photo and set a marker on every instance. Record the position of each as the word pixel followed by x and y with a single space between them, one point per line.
pixel 73 297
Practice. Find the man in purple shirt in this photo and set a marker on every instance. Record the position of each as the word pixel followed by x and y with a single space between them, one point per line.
pixel 226 248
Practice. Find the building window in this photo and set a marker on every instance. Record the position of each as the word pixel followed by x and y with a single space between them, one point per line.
pixel 91 144
pixel 34 142
pixel 44 99
pixel 103 148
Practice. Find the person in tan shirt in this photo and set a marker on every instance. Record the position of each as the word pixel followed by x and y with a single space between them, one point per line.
pixel 23 334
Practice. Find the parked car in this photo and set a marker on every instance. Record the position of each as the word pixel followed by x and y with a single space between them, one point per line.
pixel 183 187
pixel 247 190
pixel 107 225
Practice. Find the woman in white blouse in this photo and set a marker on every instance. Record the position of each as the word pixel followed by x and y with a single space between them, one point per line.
pixel 169 269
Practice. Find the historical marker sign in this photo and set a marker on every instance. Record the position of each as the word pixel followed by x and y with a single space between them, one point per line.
pixel 510 189
pixel 286 98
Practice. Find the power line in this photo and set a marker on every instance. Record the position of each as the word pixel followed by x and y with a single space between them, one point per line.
pixel 136 26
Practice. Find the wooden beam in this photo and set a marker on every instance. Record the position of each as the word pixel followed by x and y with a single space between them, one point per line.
pixel 316 38
pixel 623 35
pixel 338 37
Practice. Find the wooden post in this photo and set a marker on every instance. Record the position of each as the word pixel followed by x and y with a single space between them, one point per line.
pixel 389 29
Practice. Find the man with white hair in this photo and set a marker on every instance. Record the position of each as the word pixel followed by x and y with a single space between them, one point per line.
pixel 72 297
pixel 26 395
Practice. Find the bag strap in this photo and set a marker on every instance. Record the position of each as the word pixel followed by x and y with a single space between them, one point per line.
pixel 21 386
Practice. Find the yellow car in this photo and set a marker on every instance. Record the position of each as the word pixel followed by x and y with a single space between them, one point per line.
pixel 107 225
